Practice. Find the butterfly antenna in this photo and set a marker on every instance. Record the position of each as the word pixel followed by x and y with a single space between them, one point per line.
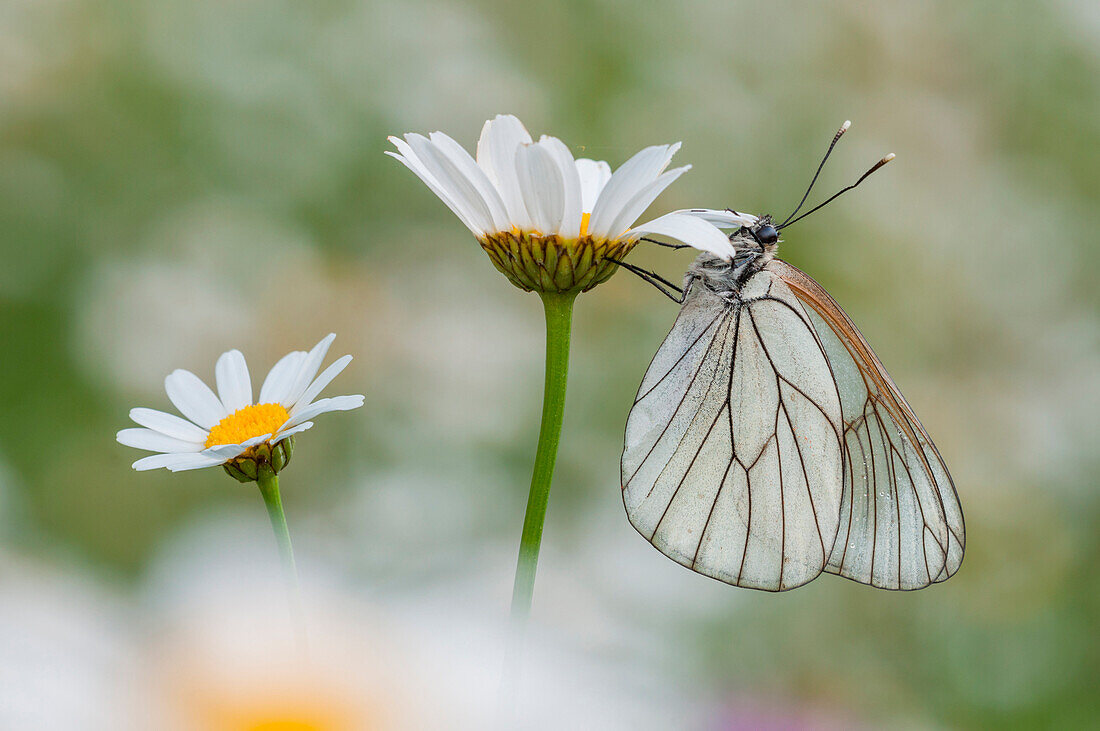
pixel 840 192
pixel 836 138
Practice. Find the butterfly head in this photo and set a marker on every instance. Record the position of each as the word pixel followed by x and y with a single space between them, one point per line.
pixel 760 238
pixel 765 234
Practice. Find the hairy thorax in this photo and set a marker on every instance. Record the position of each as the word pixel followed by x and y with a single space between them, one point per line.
pixel 728 277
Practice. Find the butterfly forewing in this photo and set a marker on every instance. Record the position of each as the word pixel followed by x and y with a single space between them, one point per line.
pixel 733 459
pixel 900 524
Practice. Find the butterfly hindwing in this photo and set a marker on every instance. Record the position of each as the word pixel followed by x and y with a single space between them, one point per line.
pixel 901 525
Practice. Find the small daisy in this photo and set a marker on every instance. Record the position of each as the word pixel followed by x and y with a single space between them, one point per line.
pixel 253 441
pixel 551 223
pixel 227 428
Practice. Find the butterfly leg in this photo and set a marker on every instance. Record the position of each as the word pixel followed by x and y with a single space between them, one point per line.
pixel 664 244
pixel 655 279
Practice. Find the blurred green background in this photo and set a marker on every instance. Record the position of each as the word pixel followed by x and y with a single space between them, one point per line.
pixel 182 177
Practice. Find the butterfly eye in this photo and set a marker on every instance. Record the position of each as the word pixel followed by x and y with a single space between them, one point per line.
pixel 767 235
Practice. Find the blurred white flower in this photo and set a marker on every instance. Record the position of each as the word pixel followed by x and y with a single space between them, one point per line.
pixel 67 659
pixel 224 426
pixel 401 657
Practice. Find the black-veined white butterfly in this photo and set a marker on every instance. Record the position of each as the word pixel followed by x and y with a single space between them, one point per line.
pixel 768 444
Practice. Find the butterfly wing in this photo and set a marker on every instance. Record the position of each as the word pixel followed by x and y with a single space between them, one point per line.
pixel 733 463
pixel 901 525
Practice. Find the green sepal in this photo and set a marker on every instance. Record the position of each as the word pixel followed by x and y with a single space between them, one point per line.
pixel 233 471
pixel 280 455
pixel 248 466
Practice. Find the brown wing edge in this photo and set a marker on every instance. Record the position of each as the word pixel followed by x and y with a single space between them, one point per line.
pixel 813 295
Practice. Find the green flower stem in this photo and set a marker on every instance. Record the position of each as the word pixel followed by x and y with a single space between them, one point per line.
pixel 559 317
pixel 268 483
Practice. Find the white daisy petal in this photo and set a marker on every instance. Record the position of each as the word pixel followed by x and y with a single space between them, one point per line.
pixel 234 383
pixel 409 159
pixel 169 425
pixel 594 175
pixel 570 226
pixel 153 441
pixel 643 198
pixel 691 230
pixel 468 167
pixel 319 383
pixel 336 403
pixel 291 432
pixel 195 462
pixel 496 155
pixel 228 451
pixel 310 365
pixel 194 399
pixel 541 183
pixel 452 180
pixel 442 188
pixel 631 177
pixel 721 219
pixel 166 460
pixel 281 377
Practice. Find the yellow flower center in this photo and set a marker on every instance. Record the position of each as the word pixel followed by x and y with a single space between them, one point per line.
pixel 585 218
pixel 243 424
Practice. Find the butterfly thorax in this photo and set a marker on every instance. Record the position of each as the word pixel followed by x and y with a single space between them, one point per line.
pixel 754 247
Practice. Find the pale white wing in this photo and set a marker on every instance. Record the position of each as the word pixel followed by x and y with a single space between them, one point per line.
pixel 732 464
pixel 901 525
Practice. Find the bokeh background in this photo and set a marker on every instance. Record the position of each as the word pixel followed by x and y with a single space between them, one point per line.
pixel 181 177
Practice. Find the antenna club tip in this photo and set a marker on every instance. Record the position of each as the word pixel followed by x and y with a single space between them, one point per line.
pixel 888 158
pixel 846 125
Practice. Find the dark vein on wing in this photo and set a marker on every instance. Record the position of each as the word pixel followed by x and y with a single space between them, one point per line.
pixel 920 505
pixel 816 404
pixel 672 418
pixel 682 356
pixel 874 495
pixel 733 447
pixel 888 459
pixel 687 429
pixel 710 514
pixel 806 480
pixel 852 490
pixel 683 478
pixel 778 450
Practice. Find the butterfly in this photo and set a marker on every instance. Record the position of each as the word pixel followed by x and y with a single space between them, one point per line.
pixel 767 443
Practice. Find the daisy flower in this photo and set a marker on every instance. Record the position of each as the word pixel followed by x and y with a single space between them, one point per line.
pixel 253 441
pixel 557 226
pixel 549 222
pixel 227 428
